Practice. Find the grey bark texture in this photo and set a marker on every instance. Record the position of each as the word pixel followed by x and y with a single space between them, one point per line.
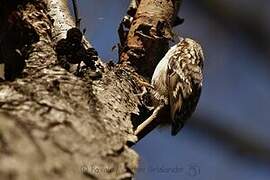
pixel 55 125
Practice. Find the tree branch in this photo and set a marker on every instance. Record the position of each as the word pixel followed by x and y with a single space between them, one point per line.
pixel 149 34
pixel 56 125
pixel 143 42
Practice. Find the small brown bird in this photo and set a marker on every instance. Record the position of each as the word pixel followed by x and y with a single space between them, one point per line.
pixel 177 83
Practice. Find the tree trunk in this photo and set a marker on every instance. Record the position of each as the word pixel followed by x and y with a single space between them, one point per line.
pixel 54 124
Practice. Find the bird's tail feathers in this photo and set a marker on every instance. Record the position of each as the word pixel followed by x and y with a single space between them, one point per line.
pixel 177 124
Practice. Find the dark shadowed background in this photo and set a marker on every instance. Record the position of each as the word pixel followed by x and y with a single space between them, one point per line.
pixel 228 136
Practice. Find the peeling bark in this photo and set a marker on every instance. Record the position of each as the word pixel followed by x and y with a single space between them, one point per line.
pixel 149 35
pixel 55 125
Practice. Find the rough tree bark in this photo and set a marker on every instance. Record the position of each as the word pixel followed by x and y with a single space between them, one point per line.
pixel 55 125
